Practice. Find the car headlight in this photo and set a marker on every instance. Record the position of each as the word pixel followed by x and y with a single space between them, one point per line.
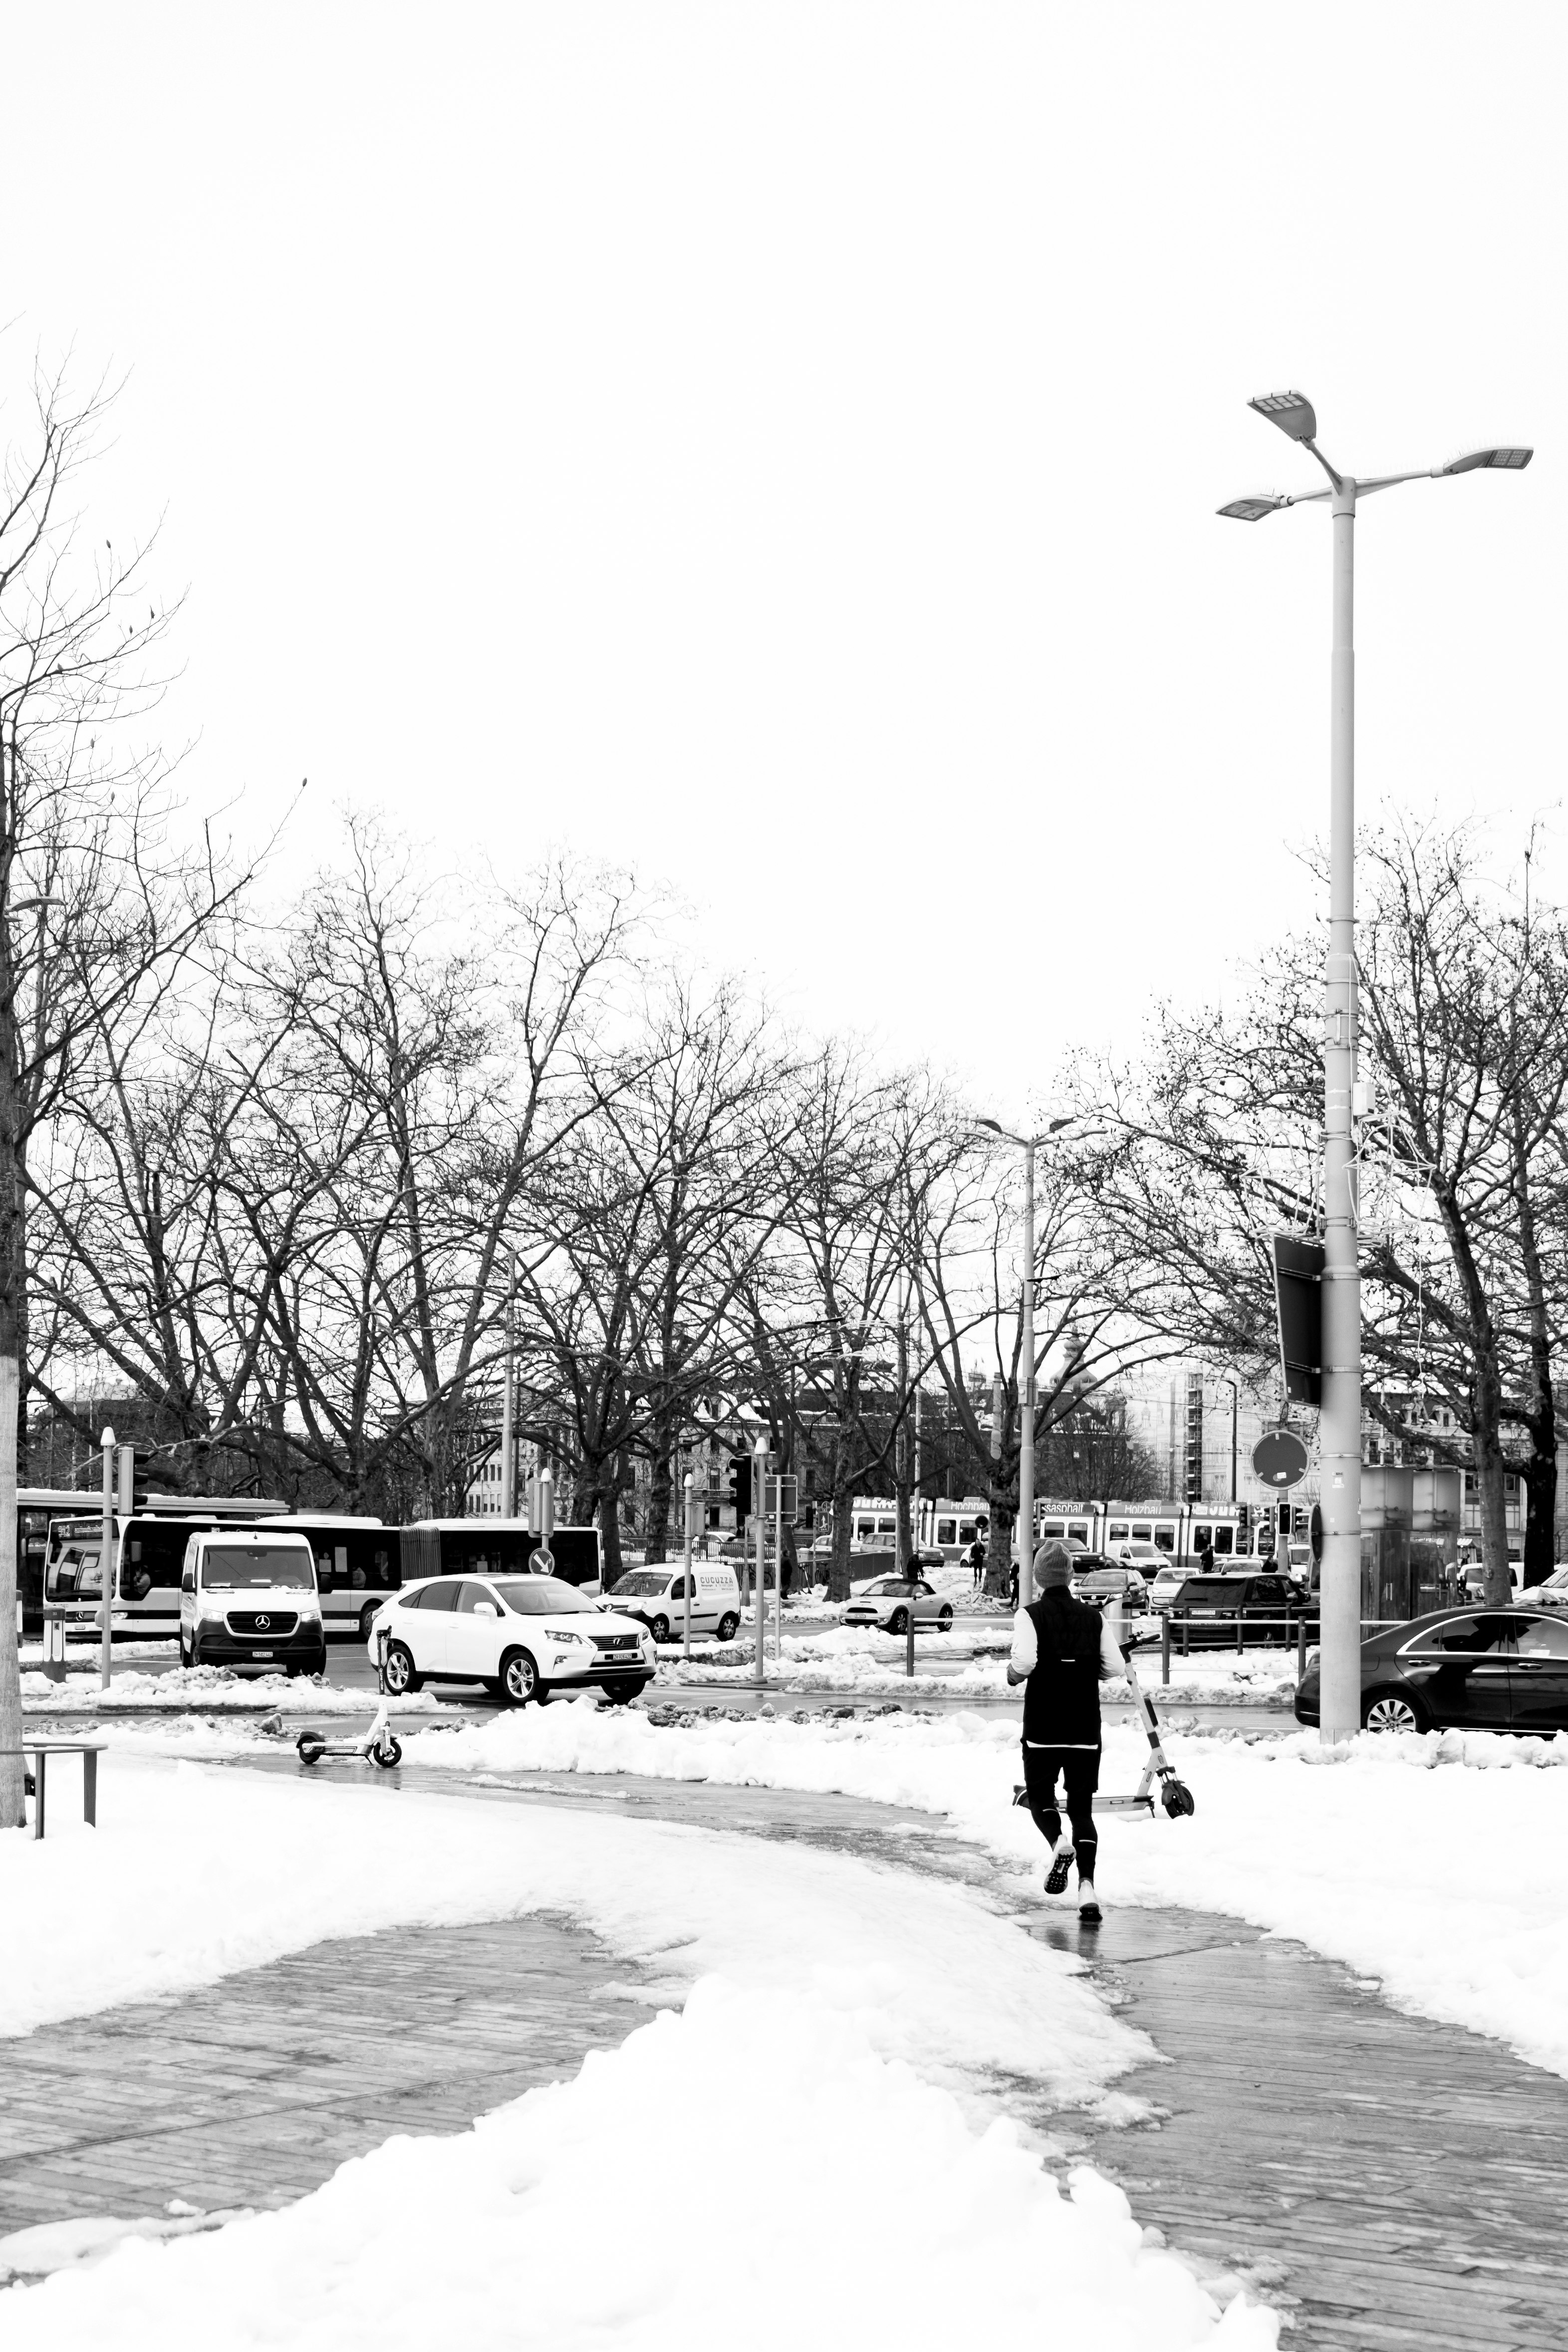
pixel 581 1639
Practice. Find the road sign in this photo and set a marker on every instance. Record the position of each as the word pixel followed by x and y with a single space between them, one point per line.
pixel 1298 1299
pixel 784 1504
pixel 541 1561
pixel 1279 1458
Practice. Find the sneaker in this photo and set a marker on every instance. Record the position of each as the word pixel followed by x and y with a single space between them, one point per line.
pixel 1087 1907
pixel 1061 1865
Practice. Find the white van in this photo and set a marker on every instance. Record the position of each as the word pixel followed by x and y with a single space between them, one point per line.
pixel 249 1597
pixel 657 1598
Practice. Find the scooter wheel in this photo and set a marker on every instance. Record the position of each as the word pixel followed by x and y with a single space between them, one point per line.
pixel 311 1747
pixel 1177 1798
pixel 391 1754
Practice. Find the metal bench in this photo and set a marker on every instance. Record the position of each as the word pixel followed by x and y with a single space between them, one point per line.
pixel 40 1750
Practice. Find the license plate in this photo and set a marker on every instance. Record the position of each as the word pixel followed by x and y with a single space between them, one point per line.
pixel 262 1653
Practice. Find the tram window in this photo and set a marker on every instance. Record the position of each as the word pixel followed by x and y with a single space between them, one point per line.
pixel 1164 1539
pixel 1117 1532
pixel 1224 1542
pixel 1141 1534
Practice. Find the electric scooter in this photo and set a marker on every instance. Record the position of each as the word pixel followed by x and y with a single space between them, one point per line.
pixel 379 1745
pixel 1174 1795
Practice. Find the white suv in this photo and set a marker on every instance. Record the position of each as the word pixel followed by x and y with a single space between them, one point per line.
pixel 249 1597
pixel 523 1636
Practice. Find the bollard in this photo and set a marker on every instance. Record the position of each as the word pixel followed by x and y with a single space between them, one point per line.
pixel 1166 1648
pixel 1301 1649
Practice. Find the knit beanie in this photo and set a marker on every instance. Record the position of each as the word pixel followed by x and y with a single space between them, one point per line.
pixel 1053 1566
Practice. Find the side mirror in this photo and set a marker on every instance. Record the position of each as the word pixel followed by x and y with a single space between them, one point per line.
pixel 486 1609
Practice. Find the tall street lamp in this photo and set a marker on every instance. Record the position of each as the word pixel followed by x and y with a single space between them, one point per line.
pixel 1026 1145
pixel 1339 1428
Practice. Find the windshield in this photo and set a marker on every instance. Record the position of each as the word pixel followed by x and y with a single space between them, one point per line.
pixel 543 1596
pixel 644 1580
pixel 234 1568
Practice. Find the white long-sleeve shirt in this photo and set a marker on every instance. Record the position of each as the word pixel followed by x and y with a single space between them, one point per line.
pixel 1025 1655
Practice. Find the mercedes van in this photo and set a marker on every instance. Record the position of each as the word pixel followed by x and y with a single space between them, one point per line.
pixel 249 1597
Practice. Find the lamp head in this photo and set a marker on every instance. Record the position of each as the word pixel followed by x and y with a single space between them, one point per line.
pixel 1250 509
pixel 1508 461
pixel 1291 411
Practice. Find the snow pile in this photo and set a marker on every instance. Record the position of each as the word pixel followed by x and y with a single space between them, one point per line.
pixel 197 1686
pixel 501 2236
pixel 1395 1855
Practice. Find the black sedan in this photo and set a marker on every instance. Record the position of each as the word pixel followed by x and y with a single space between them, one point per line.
pixel 1207 1610
pixel 1465 1669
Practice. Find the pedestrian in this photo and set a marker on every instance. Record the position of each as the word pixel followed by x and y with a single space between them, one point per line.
pixel 1205 1555
pixel 1013 1587
pixel 975 1555
pixel 1062 1651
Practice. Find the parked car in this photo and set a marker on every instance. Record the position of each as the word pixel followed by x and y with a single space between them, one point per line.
pixel 1109 1584
pixel 249 1598
pixel 1165 1587
pixel 523 1636
pixel 1146 1558
pixel 1465 1669
pixel 1207 1609
pixel 656 1597
pixel 885 1602
pixel 1553 1593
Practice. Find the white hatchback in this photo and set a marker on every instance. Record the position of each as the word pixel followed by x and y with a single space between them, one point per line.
pixel 523 1636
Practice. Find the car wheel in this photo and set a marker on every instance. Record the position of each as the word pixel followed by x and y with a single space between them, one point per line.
pixel 401 1678
pixel 367 1618
pixel 898 1622
pixel 660 1629
pixel 729 1625
pixel 518 1678
pixel 1388 1711
pixel 944 1622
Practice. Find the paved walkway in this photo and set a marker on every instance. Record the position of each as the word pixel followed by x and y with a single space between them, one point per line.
pixel 1389 2182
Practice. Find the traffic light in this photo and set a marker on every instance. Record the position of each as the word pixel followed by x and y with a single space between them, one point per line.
pixel 740 1486
pixel 132 1468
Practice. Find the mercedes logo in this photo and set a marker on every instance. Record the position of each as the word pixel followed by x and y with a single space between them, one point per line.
pixel 262 1623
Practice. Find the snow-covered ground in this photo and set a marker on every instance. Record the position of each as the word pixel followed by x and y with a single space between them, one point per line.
pixel 968 1663
pixel 1436 1866
pixel 844 2023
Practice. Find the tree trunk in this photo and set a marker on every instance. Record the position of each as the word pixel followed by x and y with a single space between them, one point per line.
pixel 13 1809
pixel 1490 1470
pixel 659 1492
pixel 1003 1510
pixel 1540 1475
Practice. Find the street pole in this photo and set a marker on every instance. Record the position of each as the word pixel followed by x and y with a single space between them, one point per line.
pixel 778 1564
pixel 546 1508
pixel 508 1404
pixel 1340 1427
pixel 1027 1396
pixel 106 1572
pixel 760 1508
pixel 690 1499
pixel 1338 1432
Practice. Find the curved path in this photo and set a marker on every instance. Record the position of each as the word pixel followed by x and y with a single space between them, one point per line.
pixel 1386 2181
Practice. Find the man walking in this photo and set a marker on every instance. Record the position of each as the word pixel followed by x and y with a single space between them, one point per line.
pixel 975 1555
pixel 1062 1651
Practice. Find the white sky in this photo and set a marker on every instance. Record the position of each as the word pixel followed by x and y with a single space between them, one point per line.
pixel 779 445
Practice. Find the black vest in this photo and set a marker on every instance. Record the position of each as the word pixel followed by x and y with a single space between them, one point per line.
pixel 1061 1697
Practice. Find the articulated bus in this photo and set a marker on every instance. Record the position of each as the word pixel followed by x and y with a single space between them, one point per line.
pixel 359 1561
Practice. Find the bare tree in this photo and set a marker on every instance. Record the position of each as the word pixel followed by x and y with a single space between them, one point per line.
pixel 101 908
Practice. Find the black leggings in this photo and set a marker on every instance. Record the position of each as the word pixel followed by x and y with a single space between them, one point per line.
pixel 1079 1771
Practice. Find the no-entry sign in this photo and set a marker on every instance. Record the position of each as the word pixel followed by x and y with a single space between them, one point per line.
pixel 1279 1458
